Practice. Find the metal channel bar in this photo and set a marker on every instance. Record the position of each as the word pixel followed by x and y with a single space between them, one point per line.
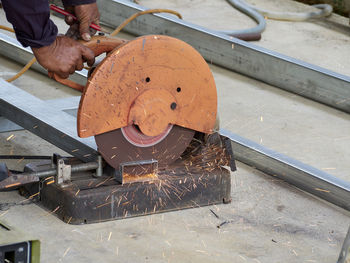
pixel 68 105
pixel 287 73
pixel 49 123
pixel 303 176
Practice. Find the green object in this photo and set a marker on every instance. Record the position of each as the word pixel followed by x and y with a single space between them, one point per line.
pixel 16 246
pixel 341 7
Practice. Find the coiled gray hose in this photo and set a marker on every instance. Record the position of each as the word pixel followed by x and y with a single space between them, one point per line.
pixel 258 15
pixel 324 10
pixel 249 11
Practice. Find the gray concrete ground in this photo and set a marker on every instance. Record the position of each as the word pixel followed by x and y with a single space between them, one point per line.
pixel 268 220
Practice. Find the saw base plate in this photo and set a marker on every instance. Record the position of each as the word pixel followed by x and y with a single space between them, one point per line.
pixel 194 181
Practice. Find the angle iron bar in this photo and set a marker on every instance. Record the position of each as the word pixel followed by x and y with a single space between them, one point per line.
pixel 69 105
pixel 38 117
pixel 278 70
pixel 303 176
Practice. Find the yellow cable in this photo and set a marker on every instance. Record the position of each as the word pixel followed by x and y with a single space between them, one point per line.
pixel 7 28
pixel 23 70
pixel 149 11
pixel 115 32
pixel 26 67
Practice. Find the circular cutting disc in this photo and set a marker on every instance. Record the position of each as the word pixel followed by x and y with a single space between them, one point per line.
pixel 151 81
pixel 128 144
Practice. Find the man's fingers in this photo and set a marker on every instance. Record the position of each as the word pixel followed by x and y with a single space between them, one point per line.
pixel 73 32
pixel 84 29
pixel 92 31
pixel 62 75
pixel 69 20
pixel 80 65
pixel 72 69
pixel 88 55
pixel 86 36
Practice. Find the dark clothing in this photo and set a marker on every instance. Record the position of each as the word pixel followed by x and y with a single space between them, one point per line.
pixel 31 20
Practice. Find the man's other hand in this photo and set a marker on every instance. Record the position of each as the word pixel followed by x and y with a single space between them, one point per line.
pixel 64 56
pixel 86 15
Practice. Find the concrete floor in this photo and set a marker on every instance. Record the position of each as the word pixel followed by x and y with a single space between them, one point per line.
pixel 268 220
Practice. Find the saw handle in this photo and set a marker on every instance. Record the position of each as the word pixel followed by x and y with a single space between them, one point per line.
pixel 99 45
pixel 103 44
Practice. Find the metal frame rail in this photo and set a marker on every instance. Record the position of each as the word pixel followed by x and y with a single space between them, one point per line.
pixel 46 121
pixel 59 128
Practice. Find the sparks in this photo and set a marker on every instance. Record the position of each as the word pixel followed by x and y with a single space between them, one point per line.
pixel 65 253
pixel 322 190
pixel 10 137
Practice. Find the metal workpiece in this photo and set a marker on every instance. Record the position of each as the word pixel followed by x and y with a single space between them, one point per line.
pixel 303 176
pixel 68 105
pixel 49 123
pixel 137 171
pixel 278 70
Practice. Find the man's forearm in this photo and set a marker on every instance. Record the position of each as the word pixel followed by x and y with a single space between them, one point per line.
pixel 31 21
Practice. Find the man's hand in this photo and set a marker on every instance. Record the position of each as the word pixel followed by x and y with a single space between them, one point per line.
pixel 86 15
pixel 64 56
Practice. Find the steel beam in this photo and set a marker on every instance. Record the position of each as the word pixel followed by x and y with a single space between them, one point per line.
pixel 49 123
pixel 303 176
pixel 287 73
pixel 68 105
